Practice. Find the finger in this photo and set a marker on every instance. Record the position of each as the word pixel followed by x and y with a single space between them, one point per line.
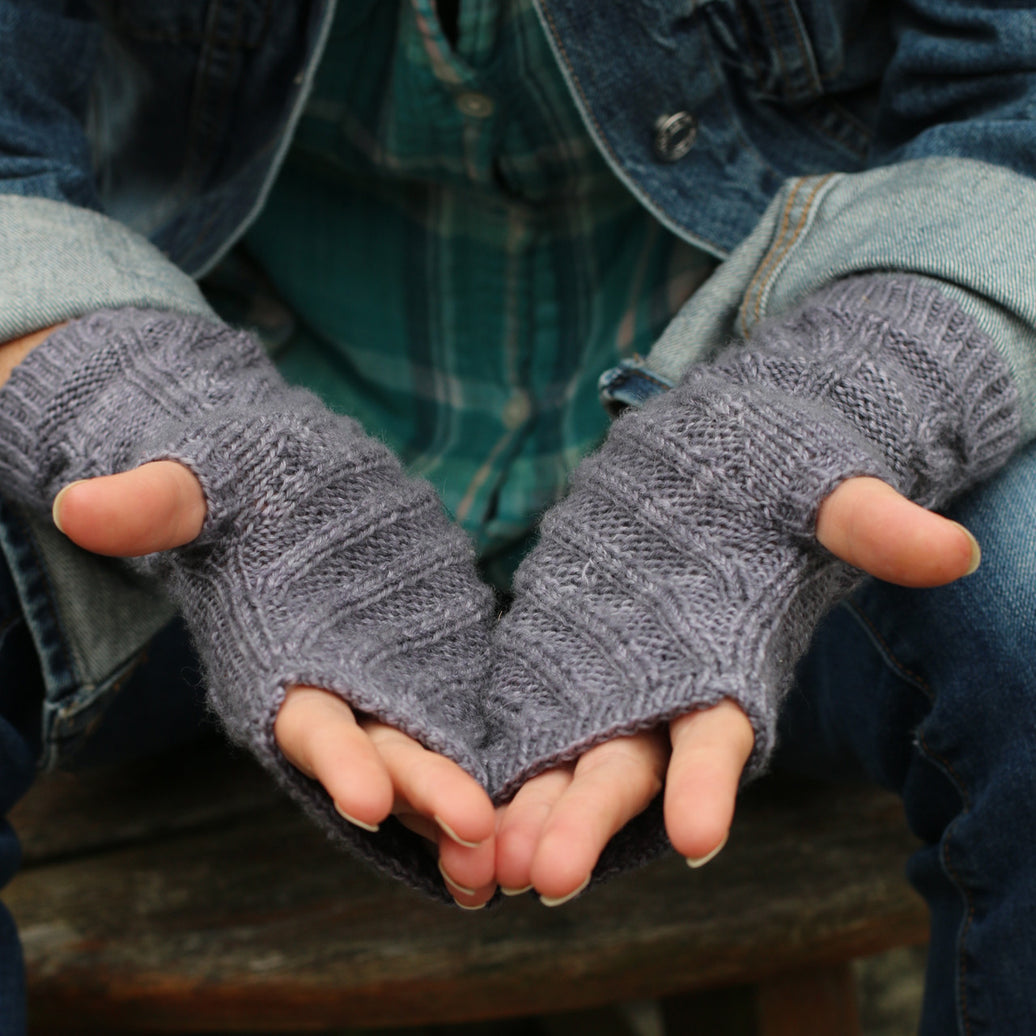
pixel 710 749
pixel 430 786
pixel 867 523
pixel 469 873
pixel 612 783
pixel 433 786
pixel 469 870
pixel 319 735
pixel 520 825
pixel 157 506
pixel 452 859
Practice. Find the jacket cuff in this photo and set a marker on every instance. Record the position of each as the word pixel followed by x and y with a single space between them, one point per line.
pixel 962 224
pixel 59 262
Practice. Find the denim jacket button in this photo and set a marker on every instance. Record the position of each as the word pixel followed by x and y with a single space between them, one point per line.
pixel 675 136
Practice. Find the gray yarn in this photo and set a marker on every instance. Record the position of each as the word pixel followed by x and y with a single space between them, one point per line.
pixel 319 562
pixel 683 568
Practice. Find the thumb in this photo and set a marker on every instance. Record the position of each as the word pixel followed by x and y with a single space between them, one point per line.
pixel 870 525
pixel 154 507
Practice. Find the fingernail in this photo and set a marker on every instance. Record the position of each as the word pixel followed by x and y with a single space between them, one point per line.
pixel 976 550
pixel 455 884
pixel 57 502
pixel 556 901
pixel 352 820
pixel 464 906
pixel 516 892
pixel 694 862
pixel 453 834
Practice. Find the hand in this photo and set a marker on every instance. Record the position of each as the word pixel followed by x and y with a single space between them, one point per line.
pixel 551 834
pixel 369 770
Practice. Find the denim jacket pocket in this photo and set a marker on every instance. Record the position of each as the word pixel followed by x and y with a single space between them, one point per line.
pixel 774 36
pixel 817 59
pixel 803 50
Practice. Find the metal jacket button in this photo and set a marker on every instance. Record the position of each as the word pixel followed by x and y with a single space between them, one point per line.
pixel 675 135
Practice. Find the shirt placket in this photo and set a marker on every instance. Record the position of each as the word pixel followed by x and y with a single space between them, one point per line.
pixel 455 70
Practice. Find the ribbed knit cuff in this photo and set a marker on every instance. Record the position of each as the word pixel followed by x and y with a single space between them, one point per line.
pixel 946 365
pixel 102 393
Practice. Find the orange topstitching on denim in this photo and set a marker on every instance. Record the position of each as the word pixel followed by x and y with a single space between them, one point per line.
pixel 781 246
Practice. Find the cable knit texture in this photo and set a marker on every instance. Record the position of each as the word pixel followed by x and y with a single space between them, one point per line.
pixel 319 562
pixel 683 567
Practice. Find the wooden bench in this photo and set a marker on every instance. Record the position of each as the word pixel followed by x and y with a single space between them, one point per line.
pixel 183 895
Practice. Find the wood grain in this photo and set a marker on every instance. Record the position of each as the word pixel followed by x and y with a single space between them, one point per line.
pixel 185 896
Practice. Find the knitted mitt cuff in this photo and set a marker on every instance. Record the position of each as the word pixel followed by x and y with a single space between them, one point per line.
pixel 98 392
pixel 905 330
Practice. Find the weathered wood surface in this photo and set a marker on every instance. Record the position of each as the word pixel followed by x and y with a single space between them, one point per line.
pixel 184 896
pixel 819 1001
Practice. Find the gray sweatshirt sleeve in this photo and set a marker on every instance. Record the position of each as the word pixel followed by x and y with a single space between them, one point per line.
pixel 319 562
pixel 683 568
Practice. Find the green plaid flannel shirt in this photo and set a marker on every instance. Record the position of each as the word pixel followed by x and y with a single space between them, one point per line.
pixel 462 262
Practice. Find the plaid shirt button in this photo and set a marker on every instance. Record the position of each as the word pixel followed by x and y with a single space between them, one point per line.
pixel 516 411
pixel 474 105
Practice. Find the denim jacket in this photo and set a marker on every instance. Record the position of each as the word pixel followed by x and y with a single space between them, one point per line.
pixel 798 141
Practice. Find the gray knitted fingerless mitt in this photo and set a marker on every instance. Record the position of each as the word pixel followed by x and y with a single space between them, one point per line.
pixel 683 568
pixel 319 562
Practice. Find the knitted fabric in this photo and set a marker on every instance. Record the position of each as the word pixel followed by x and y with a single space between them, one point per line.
pixel 683 567
pixel 319 562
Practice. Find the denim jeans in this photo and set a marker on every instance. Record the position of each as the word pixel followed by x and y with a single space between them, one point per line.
pixel 927 692
pixel 20 692
pixel 158 706
pixel 931 693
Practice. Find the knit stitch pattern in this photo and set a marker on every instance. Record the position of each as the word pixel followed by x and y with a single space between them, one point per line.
pixel 319 562
pixel 683 568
